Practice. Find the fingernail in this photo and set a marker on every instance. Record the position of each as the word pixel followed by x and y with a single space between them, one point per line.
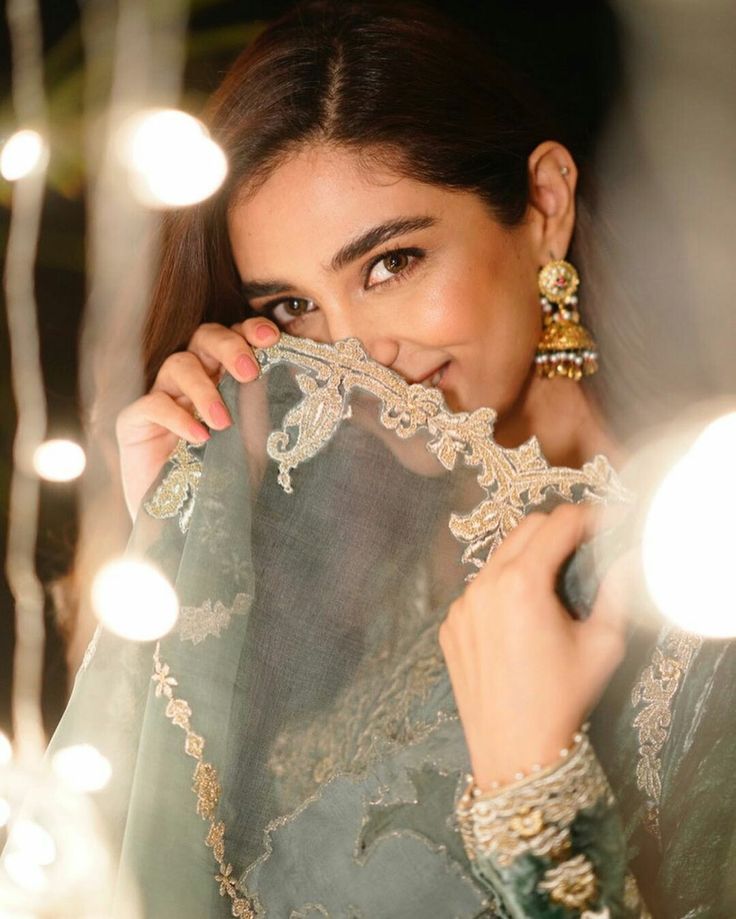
pixel 265 332
pixel 246 367
pixel 219 414
pixel 198 432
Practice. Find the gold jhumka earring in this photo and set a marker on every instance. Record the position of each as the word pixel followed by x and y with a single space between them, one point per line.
pixel 567 348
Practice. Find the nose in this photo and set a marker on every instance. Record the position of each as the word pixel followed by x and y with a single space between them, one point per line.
pixel 380 345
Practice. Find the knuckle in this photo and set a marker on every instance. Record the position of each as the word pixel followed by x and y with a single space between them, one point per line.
pixel 179 360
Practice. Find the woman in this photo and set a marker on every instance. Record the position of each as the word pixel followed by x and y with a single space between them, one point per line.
pixel 389 182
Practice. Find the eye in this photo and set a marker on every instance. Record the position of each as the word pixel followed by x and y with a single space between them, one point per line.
pixel 284 312
pixel 391 266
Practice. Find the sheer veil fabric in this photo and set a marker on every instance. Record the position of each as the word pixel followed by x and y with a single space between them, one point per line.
pixel 292 747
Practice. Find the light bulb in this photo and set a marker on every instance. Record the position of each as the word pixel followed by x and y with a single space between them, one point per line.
pixel 59 460
pixel 689 546
pixel 22 153
pixel 172 160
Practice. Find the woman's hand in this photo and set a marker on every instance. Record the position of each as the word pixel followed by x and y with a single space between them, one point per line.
pixel 524 673
pixel 148 429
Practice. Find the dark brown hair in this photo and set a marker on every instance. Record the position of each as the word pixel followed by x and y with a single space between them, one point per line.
pixel 394 80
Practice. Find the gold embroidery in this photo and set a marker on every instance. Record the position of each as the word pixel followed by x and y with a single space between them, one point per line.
pixel 373 712
pixel 206 785
pixel 534 814
pixel 514 480
pixel 199 622
pixel 176 494
pixel 571 883
pixel 656 690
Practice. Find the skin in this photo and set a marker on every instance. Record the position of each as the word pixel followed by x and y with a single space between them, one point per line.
pixel 462 296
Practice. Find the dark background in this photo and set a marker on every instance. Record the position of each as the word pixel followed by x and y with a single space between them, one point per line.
pixel 570 50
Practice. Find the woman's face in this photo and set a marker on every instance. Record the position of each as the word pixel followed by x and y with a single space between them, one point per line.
pixel 424 276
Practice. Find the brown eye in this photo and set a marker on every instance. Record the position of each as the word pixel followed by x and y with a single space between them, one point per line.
pixel 286 311
pixel 396 262
pixel 296 306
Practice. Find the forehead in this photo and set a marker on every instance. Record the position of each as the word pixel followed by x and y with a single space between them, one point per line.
pixel 320 197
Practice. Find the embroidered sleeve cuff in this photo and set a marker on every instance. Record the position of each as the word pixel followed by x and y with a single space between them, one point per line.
pixel 551 844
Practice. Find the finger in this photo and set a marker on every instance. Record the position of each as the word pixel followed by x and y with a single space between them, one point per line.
pixel 161 409
pixel 260 332
pixel 518 539
pixel 218 348
pixel 611 608
pixel 182 374
pixel 561 533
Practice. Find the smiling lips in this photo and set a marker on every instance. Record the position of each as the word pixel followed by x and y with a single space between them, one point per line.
pixel 434 378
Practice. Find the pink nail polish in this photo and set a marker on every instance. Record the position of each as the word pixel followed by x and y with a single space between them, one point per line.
pixel 265 332
pixel 219 414
pixel 246 367
pixel 199 432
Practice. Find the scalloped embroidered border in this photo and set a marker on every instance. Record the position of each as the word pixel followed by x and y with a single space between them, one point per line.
pixel 513 480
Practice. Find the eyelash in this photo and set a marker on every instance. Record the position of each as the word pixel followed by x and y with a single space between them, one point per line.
pixel 413 252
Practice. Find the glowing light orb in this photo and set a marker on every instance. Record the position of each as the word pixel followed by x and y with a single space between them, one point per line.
pixel 59 460
pixel 689 545
pixel 6 750
pixel 22 153
pixel 134 600
pixel 82 767
pixel 32 841
pixel 172 160
pixel 26 873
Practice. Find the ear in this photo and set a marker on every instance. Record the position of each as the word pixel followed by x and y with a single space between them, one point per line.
pixel 552 180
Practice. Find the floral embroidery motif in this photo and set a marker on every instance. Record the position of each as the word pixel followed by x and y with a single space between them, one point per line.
pixel 199 622
pixel 206 785
pixel 176 494
pixel 571 883
pixel 514 480
pixel 656 690
pixel 534 814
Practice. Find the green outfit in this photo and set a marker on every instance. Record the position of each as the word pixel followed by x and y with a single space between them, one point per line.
pixel 292 748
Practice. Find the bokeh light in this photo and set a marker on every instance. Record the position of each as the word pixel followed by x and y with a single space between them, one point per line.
pixel 82 767
pixel 172 160
pixel 22 153
pixel 59 460
pixel 134 600
pixel 689 544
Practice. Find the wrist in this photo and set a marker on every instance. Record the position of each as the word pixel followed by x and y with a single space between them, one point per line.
pixel 501 767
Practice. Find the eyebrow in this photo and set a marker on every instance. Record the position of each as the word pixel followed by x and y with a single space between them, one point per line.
pixel 350 252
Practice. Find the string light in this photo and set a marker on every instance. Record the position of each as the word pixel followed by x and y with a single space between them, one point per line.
pixel 171 159
pixel 23 153
pixel 134 600
pixel 59 460
pixel 688 540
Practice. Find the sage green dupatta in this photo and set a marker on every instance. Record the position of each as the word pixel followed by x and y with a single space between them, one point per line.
pixel 292 747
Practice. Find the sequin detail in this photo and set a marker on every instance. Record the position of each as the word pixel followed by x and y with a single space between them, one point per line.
pixel 514 480
pixel 571 884
pixel 176 494
pixel 655 691
pixel 206 786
